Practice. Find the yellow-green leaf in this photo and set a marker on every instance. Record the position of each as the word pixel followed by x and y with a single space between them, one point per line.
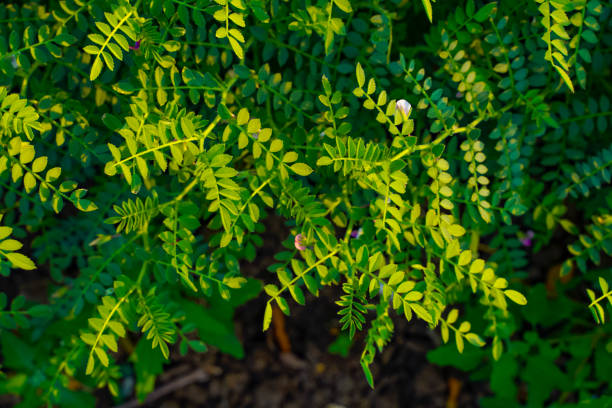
pixel 236 47
pixel 267 316
pixel 428 10
pixel 96 68
pixel 102 356
pixel 477 266
pixel 465 257
pixel 5 232
pixel 457 230
pixel 39 164
pixel 344 5
pixel 516 297
pixel 360 76
pixel 20 261
pixel 301 169
pixel 243 116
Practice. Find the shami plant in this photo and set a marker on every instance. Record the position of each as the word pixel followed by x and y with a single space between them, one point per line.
pixel 409 147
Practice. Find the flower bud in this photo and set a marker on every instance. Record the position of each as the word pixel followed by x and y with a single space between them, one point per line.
pixel 136 45
pixel 526 240
pixel 357 233
pixel 299 242
pixel 404 107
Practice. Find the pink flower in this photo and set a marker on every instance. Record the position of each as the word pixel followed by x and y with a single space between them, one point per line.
pixel 299 242
pixel 526 240
pixel 135 46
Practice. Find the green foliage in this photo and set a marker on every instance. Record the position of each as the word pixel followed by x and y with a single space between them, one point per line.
pixel 591 174
pixel 554 362
pixel 109 321
pixel 225 16
pixel 579 18
pixel 156 322
pixel 595 306
pixel 10 257
pixel 353 309
pixel 420 164
pixel 111 42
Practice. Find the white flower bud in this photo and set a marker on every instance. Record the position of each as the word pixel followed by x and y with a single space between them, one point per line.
pixel 404 107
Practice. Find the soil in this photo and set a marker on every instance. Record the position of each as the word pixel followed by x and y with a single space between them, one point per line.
pixel 309 376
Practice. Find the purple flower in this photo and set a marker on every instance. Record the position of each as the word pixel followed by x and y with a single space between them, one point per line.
pixel 404 107
pixel 299 242
pixel 357 233
pixel 255 135
pixel 526 240
pixel 135 46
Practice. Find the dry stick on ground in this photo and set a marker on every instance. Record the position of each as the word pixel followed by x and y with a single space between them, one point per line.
pixel 553 276
pixel 454 387
pixel 280 332
pixel 198 375
pixel 282 338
